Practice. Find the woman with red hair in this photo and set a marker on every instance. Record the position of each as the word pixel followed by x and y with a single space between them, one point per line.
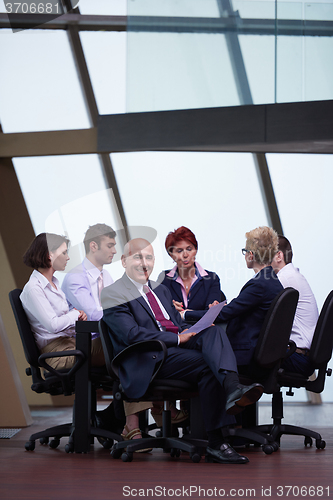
pixel 192 287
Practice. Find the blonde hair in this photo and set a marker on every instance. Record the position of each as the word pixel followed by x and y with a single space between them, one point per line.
pixel 263 243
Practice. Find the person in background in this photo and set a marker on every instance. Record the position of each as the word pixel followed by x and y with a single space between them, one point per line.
pixel 245 314
pixel 306 315
pixel 84 283
pixel 45 303
pixel 192 288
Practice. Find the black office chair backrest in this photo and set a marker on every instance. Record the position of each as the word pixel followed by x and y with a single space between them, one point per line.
pixel 275 332
pixel 322 342
pixel 31 350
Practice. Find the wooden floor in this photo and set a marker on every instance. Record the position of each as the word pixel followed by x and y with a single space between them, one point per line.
pixel 47 474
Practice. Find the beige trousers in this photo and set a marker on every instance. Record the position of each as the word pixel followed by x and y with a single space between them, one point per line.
pixel 97 359
pixel 68 344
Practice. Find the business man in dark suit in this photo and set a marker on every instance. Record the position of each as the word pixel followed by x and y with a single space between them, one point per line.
pixel 136 309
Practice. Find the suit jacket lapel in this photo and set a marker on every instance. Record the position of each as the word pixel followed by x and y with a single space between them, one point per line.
pixel 136 295
pixel 177 290
pixel 197 285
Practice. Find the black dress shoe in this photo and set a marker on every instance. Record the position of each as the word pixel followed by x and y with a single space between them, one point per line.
pixel 108 425
pixel 243 396
pixel 225 455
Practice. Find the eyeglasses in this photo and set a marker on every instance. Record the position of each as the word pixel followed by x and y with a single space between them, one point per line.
pixel 245 251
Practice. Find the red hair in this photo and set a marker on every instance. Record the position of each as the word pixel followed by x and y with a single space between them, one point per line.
pixel 182 233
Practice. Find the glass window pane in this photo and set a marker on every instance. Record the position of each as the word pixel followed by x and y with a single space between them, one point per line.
pixel 259 60
pixel 216 195
pixel 39 87
pixel 173 8
pixel 255 10
pixel 178 71
pixel 65 195
pixel 318 68
pixel 103 7
pixel 105 53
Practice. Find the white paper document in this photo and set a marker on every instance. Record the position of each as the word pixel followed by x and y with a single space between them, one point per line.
pixel 208 318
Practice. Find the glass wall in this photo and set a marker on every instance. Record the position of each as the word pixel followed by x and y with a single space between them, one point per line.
pixel 66 195
pixel 193 54
pixel 39 85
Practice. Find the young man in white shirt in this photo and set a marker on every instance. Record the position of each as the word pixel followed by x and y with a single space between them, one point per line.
pixel 306 315
pixel 83 284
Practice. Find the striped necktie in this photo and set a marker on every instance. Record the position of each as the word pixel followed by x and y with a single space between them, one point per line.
pixel 166 324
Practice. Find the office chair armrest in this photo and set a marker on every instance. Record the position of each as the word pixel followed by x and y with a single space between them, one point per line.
pixel 291 348
pixel 65 377
pixel 86 326
pixel 144 346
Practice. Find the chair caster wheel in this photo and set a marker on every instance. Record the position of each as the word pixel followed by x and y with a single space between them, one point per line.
pixel 307 441
pixel 116 453
pixel 30 445
pixel 106 443
pixel 174 452
pixel 320 444
pixel 275 446
pixel 268 449
pixel 44 440
pixel 54 443
pixel 195 457
pixel 127 456
pixel 159 434
pixel 69 448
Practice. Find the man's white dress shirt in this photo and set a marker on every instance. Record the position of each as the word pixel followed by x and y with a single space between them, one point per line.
pixel 81 288
pixel 47 309
pixel 306 312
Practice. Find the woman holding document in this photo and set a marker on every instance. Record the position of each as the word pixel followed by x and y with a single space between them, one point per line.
pixel 192 288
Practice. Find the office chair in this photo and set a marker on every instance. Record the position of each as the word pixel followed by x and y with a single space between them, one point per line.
pixel 270 351
pixel 54 382
pixel 165 390
pixel 319 355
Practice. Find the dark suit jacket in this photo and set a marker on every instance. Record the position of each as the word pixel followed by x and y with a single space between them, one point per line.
pixel 205 290
pixel 246 313
pixel 131 320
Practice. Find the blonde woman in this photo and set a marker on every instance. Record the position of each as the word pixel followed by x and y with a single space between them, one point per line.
pixel 246 313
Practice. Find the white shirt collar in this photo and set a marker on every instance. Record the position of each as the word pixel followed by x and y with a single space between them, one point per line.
pixel 138 285
pixel 43 280
pixel 91 269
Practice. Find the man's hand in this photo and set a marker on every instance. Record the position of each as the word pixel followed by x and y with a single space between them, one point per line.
pixel 82 316
pixel 185 337
pixel 213 303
